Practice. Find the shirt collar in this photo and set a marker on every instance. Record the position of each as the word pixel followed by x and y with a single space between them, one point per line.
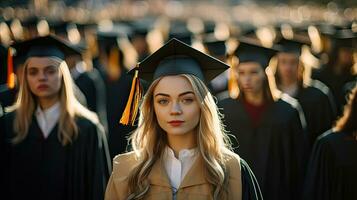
pixel 53 110
pixel 183 154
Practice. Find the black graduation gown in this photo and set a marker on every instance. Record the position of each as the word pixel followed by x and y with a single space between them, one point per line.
pixel 250 186
pixel 87 86
pixel 7 96
pixel 332 168
pixel 274 149
pixel 39 168
pixel 317 110
pixel 117 94
pixel 335 83
pixel 93 88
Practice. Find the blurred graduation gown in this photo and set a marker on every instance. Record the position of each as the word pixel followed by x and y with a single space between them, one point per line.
pixel 42 168
pixel 317 110
pixel 332 168
pixel 273 146
pixel 117 94
pixel 312 95
pixel 344 38
pixel 274 149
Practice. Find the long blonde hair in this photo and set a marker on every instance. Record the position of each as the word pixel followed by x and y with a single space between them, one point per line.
pixel 70 107
pixel 149 141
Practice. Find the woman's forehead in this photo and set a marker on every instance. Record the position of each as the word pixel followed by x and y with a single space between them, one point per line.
pixel 176 84
pixel 249 65
pixel 38 62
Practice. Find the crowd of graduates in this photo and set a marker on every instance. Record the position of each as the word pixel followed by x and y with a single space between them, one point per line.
pixel 288 98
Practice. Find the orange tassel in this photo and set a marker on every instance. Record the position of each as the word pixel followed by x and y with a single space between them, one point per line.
pixel 233 88
pixel 10 70
pixel 132 106
pixel 114 67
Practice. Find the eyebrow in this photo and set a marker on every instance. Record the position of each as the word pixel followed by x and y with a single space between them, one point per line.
pixel 167 95
pixel 48 66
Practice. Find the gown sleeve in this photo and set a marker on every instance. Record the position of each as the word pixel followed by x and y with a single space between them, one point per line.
pixel 319 172
pixel 250 186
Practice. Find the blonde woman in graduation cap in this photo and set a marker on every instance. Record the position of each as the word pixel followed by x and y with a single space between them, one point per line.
pixel 51 147
pixel 180 148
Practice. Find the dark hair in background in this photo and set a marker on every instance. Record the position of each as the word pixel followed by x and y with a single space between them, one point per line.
pixel 347 123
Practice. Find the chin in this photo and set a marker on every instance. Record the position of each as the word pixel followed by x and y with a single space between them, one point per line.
pixel 176 132
pixel 44 95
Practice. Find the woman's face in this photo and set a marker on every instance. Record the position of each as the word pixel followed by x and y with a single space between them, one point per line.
pixel 250 77
pixel 43 77
pixel 288 66
pixel 176 106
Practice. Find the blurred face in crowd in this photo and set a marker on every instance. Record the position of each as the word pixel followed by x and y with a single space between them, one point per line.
pixel 176 107
pixel 44 77
pixel 345 57
pixel 288 67
pixel 250 77
pixel 140 45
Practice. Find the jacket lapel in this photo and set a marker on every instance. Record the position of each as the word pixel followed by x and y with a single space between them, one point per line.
pixel 196 175
pixel 158 175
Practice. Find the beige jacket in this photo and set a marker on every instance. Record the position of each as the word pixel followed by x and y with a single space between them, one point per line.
pixel 194 186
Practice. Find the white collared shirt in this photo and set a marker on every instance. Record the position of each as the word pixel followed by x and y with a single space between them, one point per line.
pixel 47 119
pixel 176 169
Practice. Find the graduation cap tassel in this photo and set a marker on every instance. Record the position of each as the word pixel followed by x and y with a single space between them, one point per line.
pixel 114 66
pixel 132 106
pixel 10 71
pixel 232 80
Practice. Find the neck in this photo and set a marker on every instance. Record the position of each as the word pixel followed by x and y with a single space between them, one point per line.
pixel 288 82
pixel 47 102
pixel 340 68
pixel 255 98
pixel 180 142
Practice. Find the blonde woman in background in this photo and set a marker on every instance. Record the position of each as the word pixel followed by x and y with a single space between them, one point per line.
pixel 51 146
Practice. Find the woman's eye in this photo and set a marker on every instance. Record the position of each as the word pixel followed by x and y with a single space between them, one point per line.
pixel 32 72
pixel 51 70
pixel 187 100
pixel 163 101
pixel 254 72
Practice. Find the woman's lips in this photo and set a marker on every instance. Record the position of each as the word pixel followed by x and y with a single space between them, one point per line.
pixel 42 87
pixel 176 123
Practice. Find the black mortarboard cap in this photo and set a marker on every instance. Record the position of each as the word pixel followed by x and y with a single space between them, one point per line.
pixel 176 57
pixel 141 28
pixel 209 27
pixel 345 37
pixel 214 46
pixel 108 39
pixel 290 46
pixel 251 51
pixel 59 27
pixel 30 22
pixel 47 46
pixel 181 33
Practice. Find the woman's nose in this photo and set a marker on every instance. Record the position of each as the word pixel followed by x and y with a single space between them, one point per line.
pixel 176 109
pixel 42 76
